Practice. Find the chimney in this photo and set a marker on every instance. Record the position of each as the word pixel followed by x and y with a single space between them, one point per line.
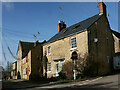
pixel 102 8
pixel 36 43
pixel 61 25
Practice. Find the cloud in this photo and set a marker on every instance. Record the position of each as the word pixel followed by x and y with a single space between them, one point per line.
pixel 8 5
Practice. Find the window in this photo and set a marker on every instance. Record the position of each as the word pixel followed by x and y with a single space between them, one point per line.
pixel 49 67
pixel 48 50
pixel 61 65
pixel 73 43
pixel 57 67
pixel 24 71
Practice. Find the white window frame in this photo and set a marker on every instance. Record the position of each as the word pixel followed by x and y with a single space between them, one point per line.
pixel 24 71
pixel 49 66
pixel 72 43
pixel 61 65
pixel 48 53
pixel 57 68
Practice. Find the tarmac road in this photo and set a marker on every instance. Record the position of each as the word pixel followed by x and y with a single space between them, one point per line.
pixel 111 82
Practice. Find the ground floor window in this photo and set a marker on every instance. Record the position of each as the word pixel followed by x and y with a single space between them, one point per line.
pixel 49 67
pixel 61 65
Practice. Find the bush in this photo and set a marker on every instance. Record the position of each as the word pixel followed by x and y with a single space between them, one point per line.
pixel 68 70
pixel 62 75
pixel 81 64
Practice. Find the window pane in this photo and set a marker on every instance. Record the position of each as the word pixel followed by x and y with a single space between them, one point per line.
pixel 73 42
pixel 49 66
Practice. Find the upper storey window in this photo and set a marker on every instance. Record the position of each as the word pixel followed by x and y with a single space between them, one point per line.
pixel 73 43
pixel 48 50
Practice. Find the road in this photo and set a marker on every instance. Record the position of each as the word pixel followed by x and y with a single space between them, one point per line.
pixel 107 82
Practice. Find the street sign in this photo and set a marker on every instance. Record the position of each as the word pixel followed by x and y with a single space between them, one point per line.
pixel 74 55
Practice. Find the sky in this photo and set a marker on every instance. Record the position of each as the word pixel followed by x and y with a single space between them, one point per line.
pixel 23 20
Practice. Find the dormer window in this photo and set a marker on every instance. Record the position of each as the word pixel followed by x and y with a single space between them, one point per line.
pixel 48 50
pixel 73 43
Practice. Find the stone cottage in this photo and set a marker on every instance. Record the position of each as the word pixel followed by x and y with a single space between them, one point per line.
pixel 29 60
pixel 116 59
pixel 14 70
pixel 92 36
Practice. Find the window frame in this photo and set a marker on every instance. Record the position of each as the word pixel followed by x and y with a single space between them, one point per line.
pixel 61 65
pixel 24 71
pixel 71 46
pixel 48 53
pixel 49 67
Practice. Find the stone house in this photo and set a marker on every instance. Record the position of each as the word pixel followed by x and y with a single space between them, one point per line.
pixel 116 59
pixel 92 36
pixel 14 70
pixel 116 36
pixel 29 56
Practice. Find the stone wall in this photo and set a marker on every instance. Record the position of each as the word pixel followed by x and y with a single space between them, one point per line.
pixel 61 49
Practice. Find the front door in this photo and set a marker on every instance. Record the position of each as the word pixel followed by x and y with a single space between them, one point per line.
pixel 57 68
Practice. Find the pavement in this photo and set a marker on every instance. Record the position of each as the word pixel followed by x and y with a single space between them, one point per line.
pixel 111 82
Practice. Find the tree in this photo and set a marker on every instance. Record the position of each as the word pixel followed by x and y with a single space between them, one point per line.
pixel 81 63
pixel 7 72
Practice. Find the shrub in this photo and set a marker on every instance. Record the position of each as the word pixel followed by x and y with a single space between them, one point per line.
pixel 62 75
pixel 81 66
pixel 68 70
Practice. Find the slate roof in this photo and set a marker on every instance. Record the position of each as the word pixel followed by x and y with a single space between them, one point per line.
pixel 74 29
pixel 26 46
pixel 117 34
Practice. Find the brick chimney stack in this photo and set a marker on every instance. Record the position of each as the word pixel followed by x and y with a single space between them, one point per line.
pixel 61 25
pixel 102 8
